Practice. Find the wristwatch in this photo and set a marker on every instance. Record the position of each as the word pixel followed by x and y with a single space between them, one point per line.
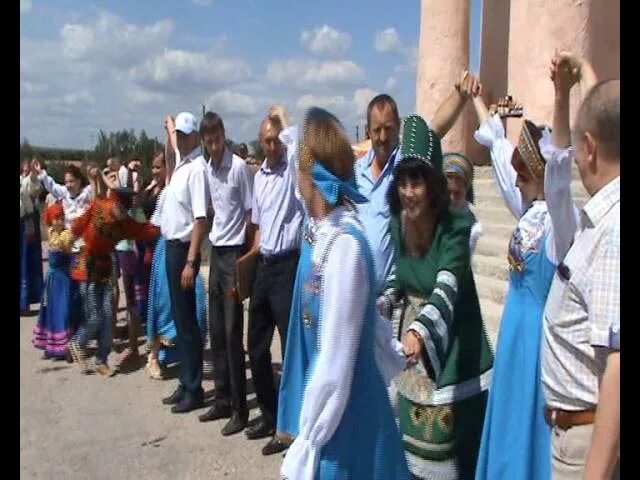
pixel 192 263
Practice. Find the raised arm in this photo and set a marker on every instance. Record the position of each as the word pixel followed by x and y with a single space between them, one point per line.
pixel 328 389
pixel 58 191
pixel 558 153
pixel 450 109
pixel 491 134
pixel 170 148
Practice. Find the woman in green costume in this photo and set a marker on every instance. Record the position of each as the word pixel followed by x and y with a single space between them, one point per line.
pixel 432 301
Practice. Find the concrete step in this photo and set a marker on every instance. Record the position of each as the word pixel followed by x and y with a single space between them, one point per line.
pixel 490 288
pixel 500 230
pixel 491 315
pixel 495 213
pixel 494 267
pixel 490 245
pixel 485 189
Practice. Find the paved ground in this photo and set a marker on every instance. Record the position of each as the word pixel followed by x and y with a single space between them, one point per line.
pixel 91 427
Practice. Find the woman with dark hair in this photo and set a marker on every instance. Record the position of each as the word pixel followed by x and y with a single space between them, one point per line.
pixel 75 196
pixel 459 172
pixel 31 277
pixel 334 401
pixel 432 301
pixel 521 449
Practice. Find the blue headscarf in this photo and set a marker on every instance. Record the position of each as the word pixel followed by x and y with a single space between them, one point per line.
pixel 331 187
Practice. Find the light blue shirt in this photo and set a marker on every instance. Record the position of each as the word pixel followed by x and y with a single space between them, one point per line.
pixel 375 214
pixel 276 210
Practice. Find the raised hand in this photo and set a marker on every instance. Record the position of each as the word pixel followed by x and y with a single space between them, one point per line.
pixel 279 113
pixel 564 71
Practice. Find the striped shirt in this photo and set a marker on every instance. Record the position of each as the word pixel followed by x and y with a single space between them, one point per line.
pixel 583 307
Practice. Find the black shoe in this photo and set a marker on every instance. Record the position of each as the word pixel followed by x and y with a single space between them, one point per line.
pixel 260 429
pixel 187 404
pixel 175 397
pixel 236 424
pixel 215 413
pixel 274 446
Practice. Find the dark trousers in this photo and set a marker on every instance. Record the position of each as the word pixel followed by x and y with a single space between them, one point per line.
pixel 226 327
pixel 269 308
pixel 183 311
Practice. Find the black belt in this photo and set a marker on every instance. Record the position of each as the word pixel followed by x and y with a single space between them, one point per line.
pixel 279 257
pixel 227 248
pixel 178 243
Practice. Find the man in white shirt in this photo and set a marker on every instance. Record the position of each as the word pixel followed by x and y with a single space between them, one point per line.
pixel 231 186
pixel 183 224
pixel 277 216
pixel 581 347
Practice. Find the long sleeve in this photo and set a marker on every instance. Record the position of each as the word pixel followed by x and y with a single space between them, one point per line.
pixel 290 138
pixel 435 321
pixel 329 385
pixel 491 134
pixel 58 191
pixel 557 191
pixel 31 185
pixel 389 353
pixel 476 232
pixel 79 225
pixel 144 232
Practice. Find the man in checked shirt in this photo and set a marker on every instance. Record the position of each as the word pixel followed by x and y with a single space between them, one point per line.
pixel 581 347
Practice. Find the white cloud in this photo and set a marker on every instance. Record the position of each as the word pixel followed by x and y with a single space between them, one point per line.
pixel 112 40
pixel 361 98
pixel 203 3
pixel 305 74
pixel 227 102
pixel 334 104
pixel 179 69
pixel 25 6
pixel 388 41
pixel 391 83
pixel 78 98
pixel 326 40
pixel 142 96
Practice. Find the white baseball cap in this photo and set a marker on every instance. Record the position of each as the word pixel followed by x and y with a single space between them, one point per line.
pixel 186 123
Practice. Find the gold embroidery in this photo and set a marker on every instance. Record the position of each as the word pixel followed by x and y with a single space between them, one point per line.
pixel 307 320
pixel 445 419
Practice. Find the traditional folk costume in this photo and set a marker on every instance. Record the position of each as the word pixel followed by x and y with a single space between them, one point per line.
pixel 101 230
pixel 516 439
pixel 31 277
pixel 442 399
pixel 52 331
pixel 74 207
pixel 333 398
pixel 457 165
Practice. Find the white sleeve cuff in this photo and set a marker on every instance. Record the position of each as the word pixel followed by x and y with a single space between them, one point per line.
pixel 301 461
pixel 490 130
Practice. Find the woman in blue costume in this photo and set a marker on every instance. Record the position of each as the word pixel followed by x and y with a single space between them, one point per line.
pixel 333 398
pixel 52 332
pixel 515 439
pixel 31 278
pixel 161 328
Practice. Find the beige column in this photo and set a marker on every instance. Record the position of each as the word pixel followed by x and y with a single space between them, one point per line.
pixel 590 28
pixel 442 56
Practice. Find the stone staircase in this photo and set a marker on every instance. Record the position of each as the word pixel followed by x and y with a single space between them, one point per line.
pixel 490 265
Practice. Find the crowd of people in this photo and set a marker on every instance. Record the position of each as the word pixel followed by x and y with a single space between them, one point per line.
pixel 363 264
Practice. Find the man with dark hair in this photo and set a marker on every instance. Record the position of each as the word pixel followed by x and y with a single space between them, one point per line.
pixel 581 349
pixel 243 151
pixel 374 171
pixel 231 187
pixel 183 214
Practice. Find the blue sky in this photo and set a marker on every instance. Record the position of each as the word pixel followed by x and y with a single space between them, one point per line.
pixel 87 65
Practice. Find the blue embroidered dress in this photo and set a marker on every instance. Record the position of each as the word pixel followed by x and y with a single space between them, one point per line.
pixel 516 440
pixel 333 398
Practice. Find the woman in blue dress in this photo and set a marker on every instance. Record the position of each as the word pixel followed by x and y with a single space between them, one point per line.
pixel 333 398
pixel 52 331
pixel 516 439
